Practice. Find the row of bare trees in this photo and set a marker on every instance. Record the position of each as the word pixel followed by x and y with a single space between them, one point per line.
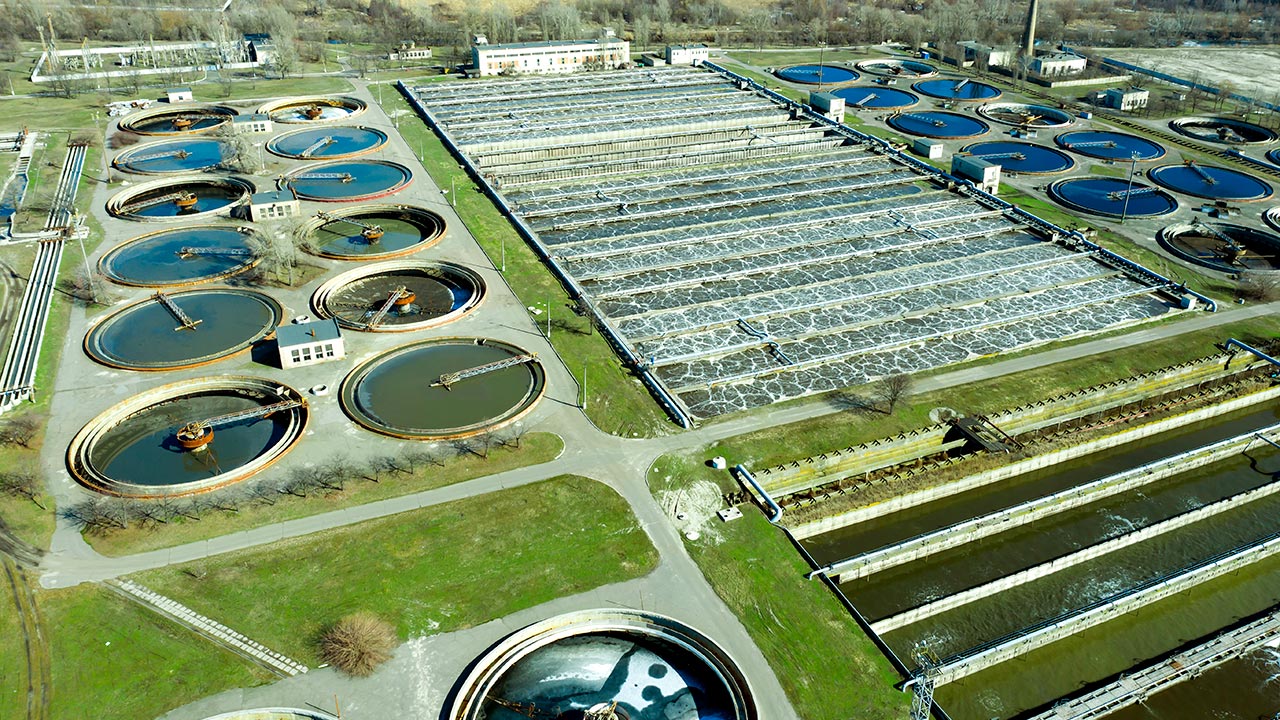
pixel 332 476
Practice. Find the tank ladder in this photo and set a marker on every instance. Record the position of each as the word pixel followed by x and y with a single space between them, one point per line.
pixel 325 141
pixel 381 314
pixel 371 231
pixel 177 312
pixel 180 154
pixel 1205 176
pixel 1092 143
pixel 865 100
pixel 1122 194
pixel 450 378
pixel 187 252
pixel 341 177
pixel 175 197
pixel 922 684
pixel 1001 156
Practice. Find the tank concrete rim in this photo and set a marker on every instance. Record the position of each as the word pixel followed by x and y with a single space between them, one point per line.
pixel 779 73
pixel 429 217
pixel 1183 124
pixel 123 197
pixel 104 263
pixel 1057 196
pixel 276 713
pixel 320 166
pixel 879 67
pixel 894 123
pixel 100 326
pixel 1064 142
pixel 121 161
pixel 322 295
pixel 129 123
pixel 1168 235
pixel 274 149
pixel 1071 163
pixel 487 670
pixel 1272 218
pixel 354 105
pixel 82 444
pixel 346 393
pixel 952 98
pixel 1061 118
pixel 1155 174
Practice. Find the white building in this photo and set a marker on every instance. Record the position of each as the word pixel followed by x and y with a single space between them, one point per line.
pixel 1058 64
pixel 687 54
pixel 1125 99
pixel 984 173
pixel 309 343
pixel 972 53
pixel 273 204
pixel 828 105
pixel 178 95
pixel 251 123
pixel 550 57
pixel 409 51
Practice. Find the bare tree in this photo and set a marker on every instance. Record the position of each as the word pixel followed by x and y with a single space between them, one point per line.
pixel 22 483
pixel 21 429
pixel 893 388
pixel 1260 286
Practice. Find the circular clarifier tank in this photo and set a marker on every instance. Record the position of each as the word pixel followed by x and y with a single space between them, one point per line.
pixel 1106 196
pixel 1272 217
pixel 898 68
pixel 962 90
pixel 443 388
pixel 1022 157
pixel 188 437
pixel 172 156
pixel 183 198
pixel 182 256
pixel 816 74
pixel 190 120
pixel 1223 246
pixel 1024 115
pixel 316 109
pixel 1107 145
pixel 1210 181
pixel 184 329
pixel 347 181
pixel 938 124
pixel 1274 156
pixel 1223 130
pixel 399 296
pixel 876 98
pixel 328 143
pixel 609 663
pixel 373 232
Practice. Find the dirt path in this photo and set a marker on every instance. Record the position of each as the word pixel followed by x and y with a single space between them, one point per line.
pixel 39 670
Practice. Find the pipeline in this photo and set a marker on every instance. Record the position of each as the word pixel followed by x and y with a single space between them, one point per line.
pixel 744 474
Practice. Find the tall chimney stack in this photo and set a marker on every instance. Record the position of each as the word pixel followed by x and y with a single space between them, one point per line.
pixel 1029 33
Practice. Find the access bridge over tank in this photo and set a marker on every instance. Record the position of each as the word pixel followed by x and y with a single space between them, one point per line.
pixel 740 250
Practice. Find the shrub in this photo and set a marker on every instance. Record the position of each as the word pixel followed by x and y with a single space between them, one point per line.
pixel 357 644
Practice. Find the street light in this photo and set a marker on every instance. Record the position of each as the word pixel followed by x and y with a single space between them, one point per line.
pixel 546 304
pixel 1133 165
pixel 822 47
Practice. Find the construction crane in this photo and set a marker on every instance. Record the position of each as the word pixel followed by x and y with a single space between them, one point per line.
pixel 343 177
pixel 184 199
pixel 372 233
pixel 190 252
pixel 448 379
pixel 325 141
pixel 197 435
pixel 178 314
pixel 179 154
pixel 401 297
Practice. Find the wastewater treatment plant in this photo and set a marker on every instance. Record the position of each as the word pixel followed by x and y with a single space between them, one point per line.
pixel 645 393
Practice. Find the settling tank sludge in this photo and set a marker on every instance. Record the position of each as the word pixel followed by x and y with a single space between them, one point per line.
pixel 373 232
pixel 399 296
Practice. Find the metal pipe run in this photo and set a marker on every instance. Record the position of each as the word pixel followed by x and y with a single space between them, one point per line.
pixel 1250 349
pixel 774 508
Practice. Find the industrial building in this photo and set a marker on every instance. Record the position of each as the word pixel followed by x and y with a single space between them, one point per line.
pixel 687 54
pixel 541 58
pixel 309 343
pixel 1125 99
pixel 1058 64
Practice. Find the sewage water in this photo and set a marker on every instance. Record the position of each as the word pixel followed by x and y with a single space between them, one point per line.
pixel 401 233
pixel 157 259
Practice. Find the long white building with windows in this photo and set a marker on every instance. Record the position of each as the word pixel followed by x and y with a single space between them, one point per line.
pixel 561 56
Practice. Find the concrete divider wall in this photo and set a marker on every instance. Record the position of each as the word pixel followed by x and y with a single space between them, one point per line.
pixel 977 480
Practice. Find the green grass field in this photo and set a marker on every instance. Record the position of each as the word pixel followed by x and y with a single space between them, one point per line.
pixel 432 570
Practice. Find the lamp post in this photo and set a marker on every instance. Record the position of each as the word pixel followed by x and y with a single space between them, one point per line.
pixel 546 304
pixel 822 48
pixel 1133 165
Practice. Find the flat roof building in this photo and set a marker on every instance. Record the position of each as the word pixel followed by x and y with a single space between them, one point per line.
pixel 550 57
pixel 687 54
pixel 251 123
pixel 178 95
pixel 310 343
pixel 1057 64
pixel 1125 99
pixel 273 204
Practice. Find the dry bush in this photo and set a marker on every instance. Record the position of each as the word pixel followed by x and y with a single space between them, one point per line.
pixel 357 644
pixel 1260 286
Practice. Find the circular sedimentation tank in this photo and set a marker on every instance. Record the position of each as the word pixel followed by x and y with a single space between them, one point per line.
pixel 1022 157
pixel 190 120
pixel 328 143
pixel 609 663
pixel 373 232
pixel 1106 196
pixel 183 329
pixel 399 296
pixel 274 713
pixel 182 198
pixel 875 97
pixel 167 157
pixel 1108 145
pixel 1274 156
pixel 1210 181
pixel 1223 246
pixel 181 256
pixel 898 68
pixel 1024 115
pixel 315 109
pixel 816 74
pixel 443 388
pixel 938 124
pixel 1272 217
pixel 188 437
pixel 962 90
pixel 1223 130
pixel 348 180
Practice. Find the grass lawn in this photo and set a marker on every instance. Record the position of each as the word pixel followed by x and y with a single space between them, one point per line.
pixel 115 660
pixel 781 58
pixel 13 660
pixel 841 429
pixel 616 402
pixel 432 570
pixel 250 88
pixel 826 664
pixel 535 448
